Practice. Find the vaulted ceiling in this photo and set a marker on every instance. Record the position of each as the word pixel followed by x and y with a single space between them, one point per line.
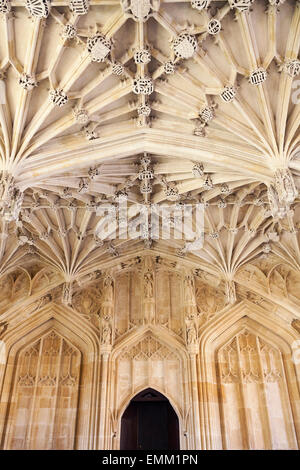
pixel 200 94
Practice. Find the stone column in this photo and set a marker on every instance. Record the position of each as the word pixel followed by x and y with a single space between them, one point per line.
pixel 191 322
pixel 106 342
pixel 105 351
pixel 193 351
pixel 3 352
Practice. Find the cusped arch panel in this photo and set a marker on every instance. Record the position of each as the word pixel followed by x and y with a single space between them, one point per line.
pixel 148 359
pixel 48 386
pixel 44 398
pixel 250 371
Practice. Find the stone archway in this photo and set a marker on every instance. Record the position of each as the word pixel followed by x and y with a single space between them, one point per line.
pixel 149 423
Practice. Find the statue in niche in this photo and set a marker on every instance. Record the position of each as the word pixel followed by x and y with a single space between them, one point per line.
pixel 148 285
pixel 191 330
pixel 106 330
pixel 108 289
pixel 189 289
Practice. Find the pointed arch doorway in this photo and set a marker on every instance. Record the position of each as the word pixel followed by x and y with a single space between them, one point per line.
pixel 149 423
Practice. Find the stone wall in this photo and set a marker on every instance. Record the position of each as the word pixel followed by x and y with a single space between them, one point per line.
pixel 230 371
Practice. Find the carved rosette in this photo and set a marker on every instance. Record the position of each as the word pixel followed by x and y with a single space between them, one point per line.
pixel 241 5
pixel 5 7
pixel 140 10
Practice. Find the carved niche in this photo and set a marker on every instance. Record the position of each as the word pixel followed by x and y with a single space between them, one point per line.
pixel 253 391
pixel 45 396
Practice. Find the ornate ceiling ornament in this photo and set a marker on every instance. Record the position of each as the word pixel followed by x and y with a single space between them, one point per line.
pixel 214 235
pixel 142 56
pixel 143 86
pixel 222 204
pixel 146 172
pixel 140 10
pixel 171 192
pixel 80 7
pixel 83 185
pixel 266 248
pixel 112 250
pixel 93 172
pixel 258 76
pixel 146 187
pixel 27 82
pixel 5 6
pixel 198 170
pixel 214 27
pixel 207 114
pixel 120 196
pixel 241 5
pixel 80 115
pixel 184 46
pixel 117 69
pixel 208 184
pixel 58 97
pixel 199 129
pixel 38 8
pixel 200 4
pixel 169 68
pixel 99 47
pixel 90 134
pixel 144 110
pixel 69 32
pixel 228 94
pixel 225 189
pixel 292 67
pixel 276 3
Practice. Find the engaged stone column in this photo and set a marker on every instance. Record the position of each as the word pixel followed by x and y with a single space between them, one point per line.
pixel 191 322
pixel 106 342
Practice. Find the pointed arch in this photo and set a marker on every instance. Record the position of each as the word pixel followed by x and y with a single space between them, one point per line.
pixel 149 357
pixel 219 333
pixel 81 337
pixel 161 419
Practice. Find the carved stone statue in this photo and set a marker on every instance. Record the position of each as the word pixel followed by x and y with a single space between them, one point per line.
pixel 189 291
pixel 106 335
pixel 106 332
pixel 191 334
pixel 108 289
pixel 191 329
pixel 148 285
pixel 67 293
